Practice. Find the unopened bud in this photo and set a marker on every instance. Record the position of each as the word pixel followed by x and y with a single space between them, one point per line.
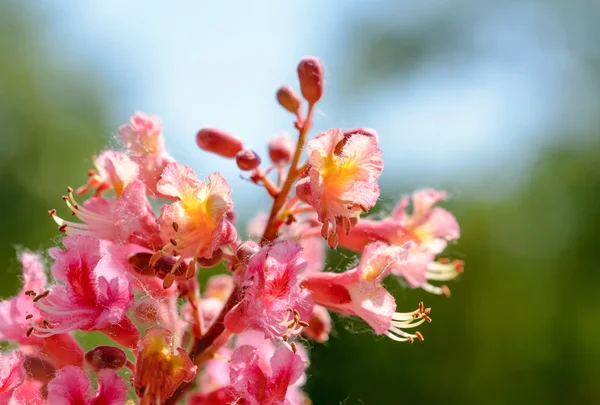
pixel 211 261
pixel 219 142
pixel 281 149
pixel 246 250
pixel 312 80
pixel 288 99
pixel 247 159
pixel 102 357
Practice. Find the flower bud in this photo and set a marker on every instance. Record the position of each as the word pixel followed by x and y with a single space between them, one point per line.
pixel 219 142
pixel 247 159
pixel 288 99
pixel 281 149
pixel 312 80
pixel 102 357
pixel 216 258
pixel 246 250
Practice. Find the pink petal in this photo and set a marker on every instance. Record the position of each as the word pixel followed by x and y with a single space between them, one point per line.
pixel 112 390
pixel 69 387
pixel 12 374
pixel 178 181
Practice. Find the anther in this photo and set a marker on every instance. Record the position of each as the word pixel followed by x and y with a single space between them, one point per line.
pixel 294 347
pixel 459 266
pixel 419 336
pixel 30 293
pixel 445 290
pixel 303 324
pixel 29 316
pixel 421 307
pixel 52 212
pixel 443 260
pixel 65 198
pixel 29 331
pixel 63 228
pixel 46 324
pixel 70 189
pixel 285 338
pixel 173 242
pixel 426 317
pixel 168 281
pixel 42 295
pixel 175 227
pixel 92 172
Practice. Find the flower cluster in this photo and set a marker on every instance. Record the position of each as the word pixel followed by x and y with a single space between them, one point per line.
pixel 132 272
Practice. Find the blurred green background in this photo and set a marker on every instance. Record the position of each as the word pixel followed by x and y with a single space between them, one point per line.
pixel 521 326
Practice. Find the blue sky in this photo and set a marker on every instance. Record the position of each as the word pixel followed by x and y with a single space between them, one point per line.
pixel 199 64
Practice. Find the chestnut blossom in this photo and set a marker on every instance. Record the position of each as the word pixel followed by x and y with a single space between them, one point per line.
pixel 146 146
pixel 160 368
pixel 274 303
pixel 72 387
pixel 17 314
pixel 129 219
pixel 135 243
pixel 114 171
pixel 92 296
pixel 197 224
pixel 359 292
pixel 430 228
pixel 342 179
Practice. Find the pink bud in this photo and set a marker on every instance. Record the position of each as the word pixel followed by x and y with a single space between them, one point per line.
pixel 102 357
pixel 247 159
pixel 312 80
pixel 288 99
pixel 246 250
pixel 219 142
pixel 281 149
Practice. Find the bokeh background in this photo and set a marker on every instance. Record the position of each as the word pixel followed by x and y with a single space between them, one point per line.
pixel 495 101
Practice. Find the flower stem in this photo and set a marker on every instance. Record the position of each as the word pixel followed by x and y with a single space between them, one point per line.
pixel 271 228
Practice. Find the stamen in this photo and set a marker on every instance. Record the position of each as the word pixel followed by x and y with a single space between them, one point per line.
pixel 402 321
pixel 42 295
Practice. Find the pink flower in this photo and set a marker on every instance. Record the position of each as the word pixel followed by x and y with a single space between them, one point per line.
pixel 143 135
pixel 145 145
pixel 12 375
pixel 16 315
pixel 273 302
pixel 93 296
pixel 160 369
pixel 114 170
pixel 72 387
pixel 258 386
pixel 130 219
pixel 359 292
pixel 196 225
pixel 342 181
pixel 428 227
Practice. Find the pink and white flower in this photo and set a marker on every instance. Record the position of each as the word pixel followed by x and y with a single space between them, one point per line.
pixel 273 301
pixel 342 180
pixel 359 292
pixel 92 296
pixel 146 146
